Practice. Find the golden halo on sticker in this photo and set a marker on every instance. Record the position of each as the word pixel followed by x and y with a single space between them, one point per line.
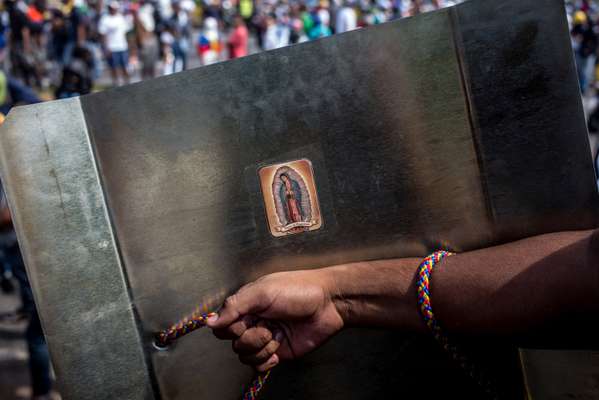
pixel 290 198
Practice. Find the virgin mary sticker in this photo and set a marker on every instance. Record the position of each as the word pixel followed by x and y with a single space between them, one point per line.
pixel 290 198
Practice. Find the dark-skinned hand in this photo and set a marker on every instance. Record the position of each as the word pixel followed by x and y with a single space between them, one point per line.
pixel 279 317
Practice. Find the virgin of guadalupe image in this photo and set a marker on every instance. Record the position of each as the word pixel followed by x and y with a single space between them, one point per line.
pixel 292 201
pixel 291 197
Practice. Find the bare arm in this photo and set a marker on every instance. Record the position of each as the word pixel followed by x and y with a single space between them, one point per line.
pixel 504 290
pixel 523 290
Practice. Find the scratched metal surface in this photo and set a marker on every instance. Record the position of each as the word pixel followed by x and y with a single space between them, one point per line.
pixel 452 129
pixel 58 209
pixel 182 185
pixel 460 128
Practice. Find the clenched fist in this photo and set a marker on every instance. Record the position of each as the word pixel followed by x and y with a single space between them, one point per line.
pixel 278 317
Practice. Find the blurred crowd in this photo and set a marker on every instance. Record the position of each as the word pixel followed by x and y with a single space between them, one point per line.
pixel 66 48
pixel 583 18
pixel 66 45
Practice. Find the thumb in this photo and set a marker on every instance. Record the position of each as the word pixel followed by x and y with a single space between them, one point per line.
pixel 250 299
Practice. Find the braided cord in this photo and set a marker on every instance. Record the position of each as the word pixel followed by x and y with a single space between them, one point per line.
pixel 195 322
pixel 424 296
pixel 187 325
pixel 426 311
pixel 252 392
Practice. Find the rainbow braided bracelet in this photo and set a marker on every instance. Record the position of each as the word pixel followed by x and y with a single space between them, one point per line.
pixel 426 311
pixel 424 295
pixel 192 323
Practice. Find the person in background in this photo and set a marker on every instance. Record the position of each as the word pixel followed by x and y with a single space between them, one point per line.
pixel 165 11
pixel 181 31
pixel 347 18
pixel 77 22
pixel 209 43
pixel 585 47
pixel 276 34
pixel 167 37
pixel 238 39
pixel 189 6
pixel 114 27
pixel 20 47
pixel 258 24
pixel 4 32
pixel 246 10
pixel 149 48
pixel 375 15
pixel 281 10
pixel 415 8
pixel 214 9
pixel 92 39
pixel 77 76
pixel 585 6
pixel 298 33
pixel 321 24
pixel 59 33
pixel 37 22
pixel 307 18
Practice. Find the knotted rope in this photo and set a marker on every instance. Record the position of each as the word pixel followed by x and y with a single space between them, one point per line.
pixel 195 322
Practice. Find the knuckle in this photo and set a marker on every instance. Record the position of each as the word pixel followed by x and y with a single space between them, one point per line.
pixel 264 337
pixel 272 346
pixel 252 340
pixel 260 357
pixel 230 301
pixel 237 329
pixel 244 344
pixel 267 351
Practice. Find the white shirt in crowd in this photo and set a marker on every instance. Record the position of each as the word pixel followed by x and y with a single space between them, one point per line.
pixel 276 35
pixel 165 9
pixel 115 28
pixel 146 17
pixel 188 6
pixel 347 20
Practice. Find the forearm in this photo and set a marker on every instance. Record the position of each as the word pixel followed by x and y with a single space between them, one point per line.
pixel 507 290
pixel 519 292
